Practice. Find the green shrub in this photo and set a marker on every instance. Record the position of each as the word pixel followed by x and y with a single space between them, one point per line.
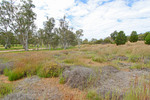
pixel 49 70
pixel 92 95
pixel 121 38
pixel 99 59
pixel 133 37
pixel 5 89
pixel 137 66
pixel 62 80
pixel 147 39
pixel 133 59
pixel 15 75
pixel 7 72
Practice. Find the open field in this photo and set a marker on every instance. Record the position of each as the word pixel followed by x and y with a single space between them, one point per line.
pixel 93 72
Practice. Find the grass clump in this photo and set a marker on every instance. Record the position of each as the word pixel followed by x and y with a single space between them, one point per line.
pixel 5 89
pixel 71 61
pixel 138 94
pixel 62 79
pixel 15 75
pixel 92 95
pixel 99 59
pixel 134 59
pixel 7 71
pixel 137 66
pixel 49 69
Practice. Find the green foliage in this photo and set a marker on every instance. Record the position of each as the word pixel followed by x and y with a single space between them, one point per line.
pixel 92 95
pixel 136 66
pixel 85 41
pixel 114 35
pixel 49 70
pixel 62 79
pixel 147 39
pixel 133 37
pixel 99 41
pixel 107 40
pixel 7 72
pixel 5 89
pixel 121 38
pixel 99 59
pixel 15 75
pixel 133 59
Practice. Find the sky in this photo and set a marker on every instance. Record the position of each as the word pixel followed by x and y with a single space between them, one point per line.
pixel 97 18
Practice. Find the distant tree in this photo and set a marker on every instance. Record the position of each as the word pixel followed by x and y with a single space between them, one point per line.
pixel 41 36
pixel 25 22
pixel 49 31
pixel 145 34
pixel 78 35
pixel 99 41
pixel 133 37
pixel 62 31
pixel 147 39
pixel 107 40
pixel 85 41
pixel 114 35
pixel 121 38
pixel 141 37
pixel 93 40
pixel 7 20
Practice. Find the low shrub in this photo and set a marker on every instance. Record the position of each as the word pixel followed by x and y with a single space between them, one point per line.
pixel 15 75
pixel 62 80
pixel 147 39
pixel 5 89
pixel 7 72
pixel 140 93
pixel 49 69
pixel 71 61
pixel 92 95
pixel 137 66
pixel 99 59
pixel 134 59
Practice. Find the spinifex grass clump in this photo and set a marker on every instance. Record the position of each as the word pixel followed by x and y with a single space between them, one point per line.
pixel 5 89
pixel 99 59
pixel 49 69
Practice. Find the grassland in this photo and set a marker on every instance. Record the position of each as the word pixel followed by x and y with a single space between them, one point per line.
pixel 48 64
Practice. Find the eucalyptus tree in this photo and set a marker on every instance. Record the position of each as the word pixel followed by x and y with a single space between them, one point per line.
pixel 41 34
pixel 49 31
pixel 63 32
pixel 25 21
pixel 78 35
pixel 7 20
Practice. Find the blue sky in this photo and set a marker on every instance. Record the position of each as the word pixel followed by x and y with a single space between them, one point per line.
pixel 98 18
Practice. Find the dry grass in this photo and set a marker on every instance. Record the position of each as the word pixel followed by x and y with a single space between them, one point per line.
pixel 97 55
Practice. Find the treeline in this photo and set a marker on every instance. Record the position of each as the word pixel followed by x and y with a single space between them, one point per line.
pixel 17 27
pixel 120 38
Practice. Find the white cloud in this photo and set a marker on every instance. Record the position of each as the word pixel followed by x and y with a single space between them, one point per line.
pixel 98 18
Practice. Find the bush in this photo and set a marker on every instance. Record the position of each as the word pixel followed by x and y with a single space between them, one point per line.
pixel 98 59
pixel 62 79
pixel 7 72
pixel 49 70
pixel 15 75
pixel 92 95
pixel 5 89
pixel 147 39
pixel 121 38
pixel 133 37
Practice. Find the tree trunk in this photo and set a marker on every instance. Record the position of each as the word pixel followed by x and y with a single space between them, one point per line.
pixel 49 47
pixel 26 45
pixel 26 42
pixel 6 45
pixel 79 44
